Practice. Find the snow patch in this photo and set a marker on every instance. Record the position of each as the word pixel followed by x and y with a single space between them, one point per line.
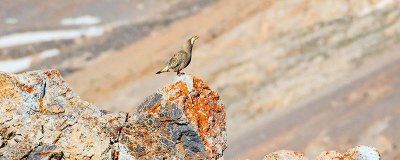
pixel 82 20
pixel 44 36
pixel 16 65
pixel 49 53
pixel 11 21
pixel 21 64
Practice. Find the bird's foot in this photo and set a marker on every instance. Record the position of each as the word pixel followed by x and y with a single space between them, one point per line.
pixel 180 73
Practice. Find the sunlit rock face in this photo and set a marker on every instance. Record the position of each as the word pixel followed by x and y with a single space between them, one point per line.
pixel 42 118
pixel 356 153
pixel 182 120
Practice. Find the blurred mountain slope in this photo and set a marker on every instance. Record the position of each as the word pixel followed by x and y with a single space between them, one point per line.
pixel 142 58
pixel 262 57
pixel 361 109
pixel 79 32
pixel 275 53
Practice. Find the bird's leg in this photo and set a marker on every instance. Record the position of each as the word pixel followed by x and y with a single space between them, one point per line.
pixel 179 73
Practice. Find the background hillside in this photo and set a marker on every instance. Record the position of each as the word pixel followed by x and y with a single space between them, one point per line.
pixel 307 75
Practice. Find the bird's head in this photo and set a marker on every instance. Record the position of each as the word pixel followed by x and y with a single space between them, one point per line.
pixel 193 39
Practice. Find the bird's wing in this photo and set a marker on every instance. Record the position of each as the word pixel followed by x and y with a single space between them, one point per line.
pixel 175 60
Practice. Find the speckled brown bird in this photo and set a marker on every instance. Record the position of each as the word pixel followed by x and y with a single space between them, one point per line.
pixel 181 59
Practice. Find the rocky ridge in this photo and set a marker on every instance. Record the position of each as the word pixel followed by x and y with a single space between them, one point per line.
pixel 42 118
pixel 356 153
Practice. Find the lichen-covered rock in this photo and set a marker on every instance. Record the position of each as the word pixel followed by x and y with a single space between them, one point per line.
pixel 362 153
pixel 330 155
pixel 42 118
pixel 285 155
pixel 183 120
pixel 356 153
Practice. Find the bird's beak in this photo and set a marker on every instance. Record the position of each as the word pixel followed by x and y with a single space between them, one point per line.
pixel 193 39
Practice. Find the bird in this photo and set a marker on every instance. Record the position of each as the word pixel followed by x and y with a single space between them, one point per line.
pixel 181 59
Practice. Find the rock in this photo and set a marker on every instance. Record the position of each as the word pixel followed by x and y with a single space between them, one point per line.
pixel 362 153
pixel 187 118
pixel 330 155
pixel 285 155
pixel 356 153
pixel 42 118
pixel 46 152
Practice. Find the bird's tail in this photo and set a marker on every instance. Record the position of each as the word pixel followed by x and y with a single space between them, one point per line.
pixel 165 69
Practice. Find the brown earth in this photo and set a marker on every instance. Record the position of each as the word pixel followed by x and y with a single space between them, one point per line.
pixel 362 110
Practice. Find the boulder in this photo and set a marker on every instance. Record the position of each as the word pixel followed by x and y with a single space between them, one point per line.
pixel 356 153
pixel 42 118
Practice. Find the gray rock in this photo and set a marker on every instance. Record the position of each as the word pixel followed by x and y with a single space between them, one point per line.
pixel 356 153
pixel 42 118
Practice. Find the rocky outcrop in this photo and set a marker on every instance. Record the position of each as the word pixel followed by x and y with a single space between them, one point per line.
pixel 356 153
pixel 42 118
pixel 285 155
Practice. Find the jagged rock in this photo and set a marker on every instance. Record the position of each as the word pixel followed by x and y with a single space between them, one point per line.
pixel 362 153
pixel 356 153
pixel 330 155
pixel 46 152
pixel 285 155
pixel 42 118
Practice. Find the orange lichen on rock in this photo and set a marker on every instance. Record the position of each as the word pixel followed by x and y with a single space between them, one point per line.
pixel 285 155
pixel 178 89
pixel 111 120
pixel 184 120
pixel 202 113
pixel 48 74
pixel 29 89
pixel 200 107
pixel 333 155
pixel 26 88
pixel 41 108
pixel 57 73
pixel 356 153
pixel 9 89
pixel 155 108
pixel 44 153
pixel 350 155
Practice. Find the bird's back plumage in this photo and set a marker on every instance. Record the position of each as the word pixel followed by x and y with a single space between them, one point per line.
pixel 181 59
pixel 176 60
